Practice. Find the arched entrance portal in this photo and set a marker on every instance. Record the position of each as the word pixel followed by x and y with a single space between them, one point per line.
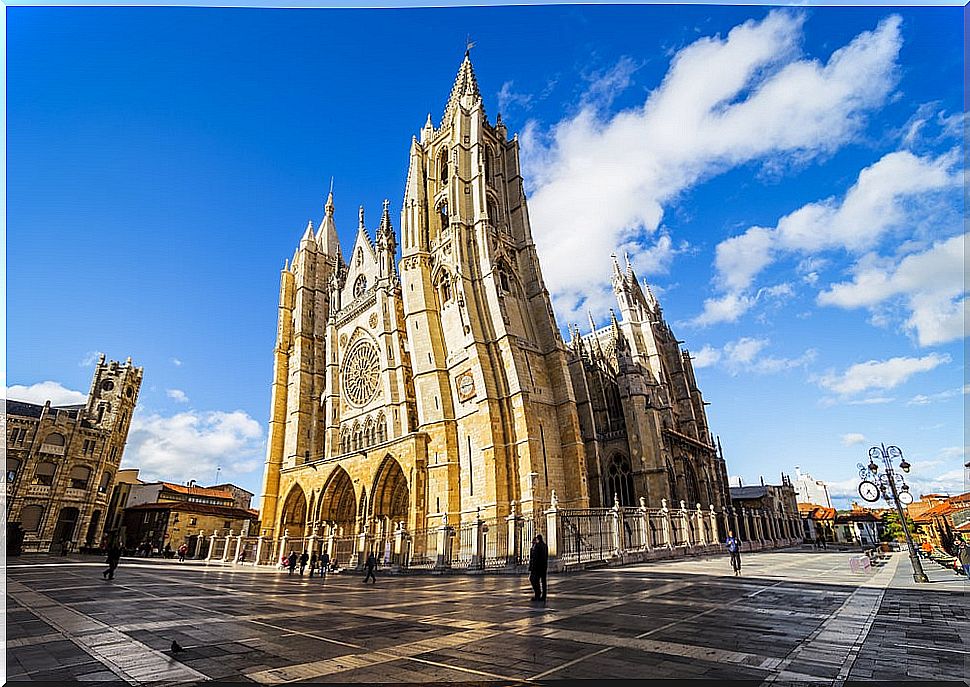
pixel 390 497
pixel 64 530
pixel 337 509
pixel 293 517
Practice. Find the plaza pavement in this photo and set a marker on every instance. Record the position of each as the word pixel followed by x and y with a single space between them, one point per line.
pixel 794 616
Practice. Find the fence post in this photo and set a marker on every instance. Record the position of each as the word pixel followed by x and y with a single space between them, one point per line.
pixel 282 549
pixel 645 517
pixel 331 534
pixel 552 525
pixel 512 544
pixel 399 544
pixel 212 545
pixel 698 518
pixel 734 522
pixel 260 543
pixel 617 521
pixel 443 559
pixel 714 534
pixel 684 527
pixel 200 545
pixel 240 553
pixel 667 525
pixel 478 552
pixel 225 552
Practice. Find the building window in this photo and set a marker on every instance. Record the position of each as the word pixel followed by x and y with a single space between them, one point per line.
pixel 227 524
pixel 89 445
pixel 360 286
pixel 45 473
pixel 13 465
pixel 443 214
pixel 443 166
pixel 193 521
pixel 30 518
pixel 80 476
pixel 54 439
pixel 620 481
pixel 105 482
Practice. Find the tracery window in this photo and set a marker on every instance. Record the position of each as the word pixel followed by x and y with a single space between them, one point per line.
pixel 361 373
pixel 360 285
pixel 671 484
pixel 620 480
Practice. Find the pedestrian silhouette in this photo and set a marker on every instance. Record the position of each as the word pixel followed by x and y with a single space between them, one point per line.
pixel 313 563
pixel 538 565
pixel 324 563
pixel 114 557
pixel 370 565
pixel 733 545
pixel 291 561
pixel 176 648
pixel 304 557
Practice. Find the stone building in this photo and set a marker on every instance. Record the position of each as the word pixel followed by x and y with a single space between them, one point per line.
pixel 766 513
pixel 810 490
pixel 439 387
pixel 62 460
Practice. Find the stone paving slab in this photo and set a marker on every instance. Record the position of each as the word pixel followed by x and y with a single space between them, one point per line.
pixel 794 616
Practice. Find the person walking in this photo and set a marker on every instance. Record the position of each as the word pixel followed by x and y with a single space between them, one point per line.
pixel 304 557
pixel 370 566
pixel 324 563
pixel 182 550
pixel 114 557
pixel 538 566
pixel 963 555
pixel 291 561
pixel 313 563
pixel 733 545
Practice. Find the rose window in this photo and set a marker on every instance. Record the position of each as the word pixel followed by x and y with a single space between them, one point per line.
pixel 361 374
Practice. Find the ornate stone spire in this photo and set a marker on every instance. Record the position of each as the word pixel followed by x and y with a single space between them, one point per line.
pixel 327 233
pixel 465 88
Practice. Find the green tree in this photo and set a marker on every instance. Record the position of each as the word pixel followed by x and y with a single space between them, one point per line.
pixel 892 529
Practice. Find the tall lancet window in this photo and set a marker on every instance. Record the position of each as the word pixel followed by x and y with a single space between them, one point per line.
pixel 443 214
pixel 443 166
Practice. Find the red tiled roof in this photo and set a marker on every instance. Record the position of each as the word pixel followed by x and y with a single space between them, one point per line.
pixel 202 508
pixel 197 491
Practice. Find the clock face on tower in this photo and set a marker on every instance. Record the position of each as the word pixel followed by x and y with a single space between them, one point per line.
pixel 466 386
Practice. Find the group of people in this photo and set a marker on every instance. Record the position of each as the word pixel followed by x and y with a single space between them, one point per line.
pixel 321 564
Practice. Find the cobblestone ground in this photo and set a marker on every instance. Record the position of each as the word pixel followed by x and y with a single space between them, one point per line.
pixel 794 616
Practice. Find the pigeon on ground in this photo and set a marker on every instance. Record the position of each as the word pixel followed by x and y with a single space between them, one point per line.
pixel 176 647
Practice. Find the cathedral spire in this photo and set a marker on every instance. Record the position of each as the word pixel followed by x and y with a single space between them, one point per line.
pixel 327 232
pixel 308 234
pixel 465 91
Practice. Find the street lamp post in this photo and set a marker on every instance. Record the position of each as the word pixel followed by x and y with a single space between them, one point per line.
pixel 874 484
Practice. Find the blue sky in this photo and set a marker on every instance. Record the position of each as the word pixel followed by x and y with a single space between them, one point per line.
pixel 788 181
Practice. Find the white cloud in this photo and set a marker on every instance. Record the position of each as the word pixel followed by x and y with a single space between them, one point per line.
pixel 853 438
pixel 931 283
pixel 923 399
pixel 707 356
pixel 90 358
pixel 742 355
pixel 879 374
pixel 897 191
pixel 723 102
pixel 176 362
pixel 42 392
pixel 507 98
pixel 177 395
pixel 191 445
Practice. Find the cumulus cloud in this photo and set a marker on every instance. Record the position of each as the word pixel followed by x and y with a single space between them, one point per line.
pixel 42 392
pixel 176 362
pixel 931 283
pixel 743 355
pixel 879 374
pixel 90 358
pixel 191 445
pixel 725 101
pixel 894 192
pixel 924 399
pixel 177 395
pixel 853 438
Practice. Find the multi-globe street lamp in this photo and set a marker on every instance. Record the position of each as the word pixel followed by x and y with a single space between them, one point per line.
pixel 877 484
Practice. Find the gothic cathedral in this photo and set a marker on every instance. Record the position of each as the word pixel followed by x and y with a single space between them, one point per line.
pixel 439 387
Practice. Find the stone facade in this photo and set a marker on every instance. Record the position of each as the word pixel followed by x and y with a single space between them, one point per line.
pixel 439 389
pixel 62 461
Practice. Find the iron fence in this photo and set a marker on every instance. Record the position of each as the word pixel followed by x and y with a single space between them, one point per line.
pixel 586 535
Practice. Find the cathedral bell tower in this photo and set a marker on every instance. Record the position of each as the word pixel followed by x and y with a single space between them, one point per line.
pixel 489 364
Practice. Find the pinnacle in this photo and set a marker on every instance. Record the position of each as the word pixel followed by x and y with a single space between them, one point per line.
pixel 465 84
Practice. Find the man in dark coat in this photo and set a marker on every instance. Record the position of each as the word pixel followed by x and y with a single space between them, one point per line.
pixel 370 566
pixel 303 561
pixel 291 561
pixel 538 563
pixel 114 557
